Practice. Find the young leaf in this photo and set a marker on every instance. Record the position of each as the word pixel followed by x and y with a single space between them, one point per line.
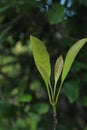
pixel 41 57
pixel 72 53
pixel 58 68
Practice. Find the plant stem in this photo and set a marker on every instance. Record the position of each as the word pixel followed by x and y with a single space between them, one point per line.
pixel 54 89
pixel 54 108
pixel 55 121
pixel 52 94
pixel 58 93
pixel 49 95
pixel 54 116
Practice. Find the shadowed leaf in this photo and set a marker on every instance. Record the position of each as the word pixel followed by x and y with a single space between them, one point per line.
pixel 56 14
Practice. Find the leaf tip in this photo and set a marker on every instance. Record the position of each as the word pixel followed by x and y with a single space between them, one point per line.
pixel 31 37
pixel 61 57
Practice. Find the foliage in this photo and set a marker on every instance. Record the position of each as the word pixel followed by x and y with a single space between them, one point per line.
pixel 21 87
pixel 71 90
pixel 42 62
pixel 57 17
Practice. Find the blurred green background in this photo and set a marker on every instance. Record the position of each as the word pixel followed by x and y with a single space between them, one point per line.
pixel 24 103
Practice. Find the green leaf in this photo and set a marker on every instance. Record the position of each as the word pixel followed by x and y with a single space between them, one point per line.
pixel 41 57
pixel 56 14
pixel 58 68
pixel 41 108
pixel 71 90
pixel 71 55
pixel 25 98
pixel 20 123
pixel 46 77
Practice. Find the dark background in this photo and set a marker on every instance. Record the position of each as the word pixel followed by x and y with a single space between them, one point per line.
pixel 24 103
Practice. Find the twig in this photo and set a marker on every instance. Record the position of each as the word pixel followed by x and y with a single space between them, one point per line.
pixel 55 120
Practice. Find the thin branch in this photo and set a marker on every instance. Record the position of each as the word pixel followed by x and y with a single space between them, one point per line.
pixel 55 120
pixel 58 93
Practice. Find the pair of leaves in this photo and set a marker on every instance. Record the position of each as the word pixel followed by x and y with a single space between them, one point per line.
pixel 42 59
